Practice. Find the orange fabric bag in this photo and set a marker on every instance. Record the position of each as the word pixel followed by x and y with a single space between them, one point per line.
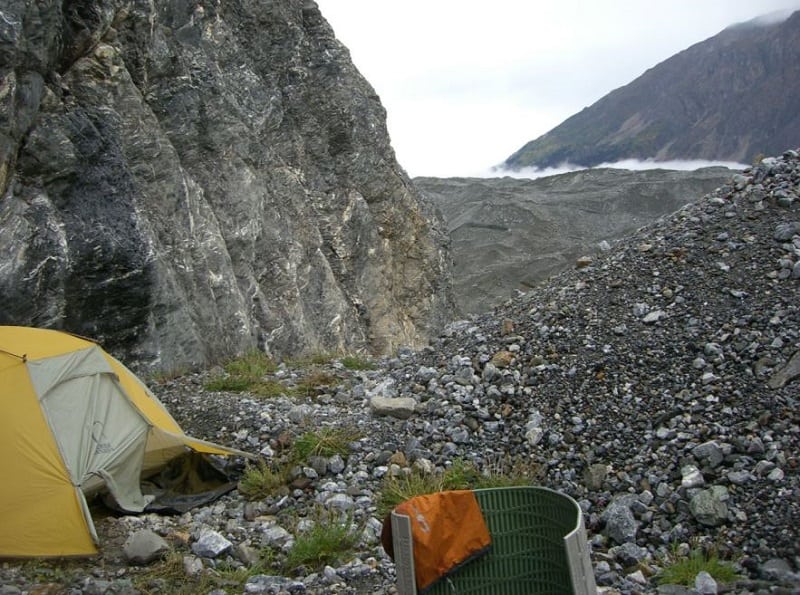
pixel 448 531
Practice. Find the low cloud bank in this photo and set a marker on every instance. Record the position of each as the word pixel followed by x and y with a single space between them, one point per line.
pixel 629 164
pixel 772 18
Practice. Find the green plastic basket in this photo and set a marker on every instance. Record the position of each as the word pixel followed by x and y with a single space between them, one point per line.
pixel 538 546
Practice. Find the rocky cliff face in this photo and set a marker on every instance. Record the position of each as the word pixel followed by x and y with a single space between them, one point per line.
pixel 186 180
pixel 509 235
pixel 731 98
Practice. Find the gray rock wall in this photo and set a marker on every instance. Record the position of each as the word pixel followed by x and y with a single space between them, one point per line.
pixel 183 181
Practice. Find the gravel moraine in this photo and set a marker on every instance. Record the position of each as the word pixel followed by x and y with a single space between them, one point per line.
pixel 658 385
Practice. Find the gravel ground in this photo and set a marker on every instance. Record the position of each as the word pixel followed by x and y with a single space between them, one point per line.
pixel 657 384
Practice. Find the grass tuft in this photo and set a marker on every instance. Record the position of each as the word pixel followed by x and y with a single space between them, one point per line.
pixel 462 475
pixel 329 541
pixel 397 489
pixel 684 571
pixel 316 382
pixel 254 365
pixel 270 389
pixel 260 481
pixel 169 576
pixel 355 362
pixel 246 374
pixel 325 442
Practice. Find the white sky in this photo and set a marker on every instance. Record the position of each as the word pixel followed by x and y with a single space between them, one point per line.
pixel 466 82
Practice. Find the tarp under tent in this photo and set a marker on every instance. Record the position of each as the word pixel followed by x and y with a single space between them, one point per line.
pixel 74 422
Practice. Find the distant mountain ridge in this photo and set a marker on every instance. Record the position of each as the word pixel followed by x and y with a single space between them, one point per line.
pixel 730 98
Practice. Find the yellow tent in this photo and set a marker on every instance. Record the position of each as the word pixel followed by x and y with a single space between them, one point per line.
pixel 73 422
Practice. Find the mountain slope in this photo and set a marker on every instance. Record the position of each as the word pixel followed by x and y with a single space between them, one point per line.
pixel 731 97
pixel 510 234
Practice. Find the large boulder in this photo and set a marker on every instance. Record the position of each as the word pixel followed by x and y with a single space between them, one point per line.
pixel 183 181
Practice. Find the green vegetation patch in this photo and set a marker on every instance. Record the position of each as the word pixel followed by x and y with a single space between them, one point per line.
pixel 254 365
pixel 325 442
pixel 260 481
pixel 251 373
pixel 329 541
pixel 246 374
pixel 232 384
pixel 356 362
pixel 683 571
pixel 316 382
pixel 169 576
pixel 271 389
pixel 462 475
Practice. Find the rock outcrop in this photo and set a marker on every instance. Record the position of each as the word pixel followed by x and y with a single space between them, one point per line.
pixel 184 181
pixel 509 235
pixel 730 98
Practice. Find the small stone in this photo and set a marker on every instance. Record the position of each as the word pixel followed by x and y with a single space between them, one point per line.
pixel 264 583
pixel 663 433
pixel 705 584
pixel 144 547
pixel 785 231
pixel 762 468
pixel 621 526
pixel 192 565
pixel 425 374
pixel 691 477
pixel 629 554
pixel 299 413
pixel 465 376
pixel 787 373
pixel 594 476
pixel 507 327
pixel 399 407
pixel 275 536
pixel 340 502
pixel 460 435
pixel 637 577
pixel 490 373
pixel 708 378
pixel 211 544
pixel 709 506
pixel 776 474
pixel 709 453
pixel 313 472
pixel 336 464
pixel 246 554
pixel 502 359
pixel 739 477
pixel 654 316
pixel 424 466
pixel 775 569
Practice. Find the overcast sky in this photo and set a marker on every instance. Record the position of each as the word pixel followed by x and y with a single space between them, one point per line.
pixel 466 83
